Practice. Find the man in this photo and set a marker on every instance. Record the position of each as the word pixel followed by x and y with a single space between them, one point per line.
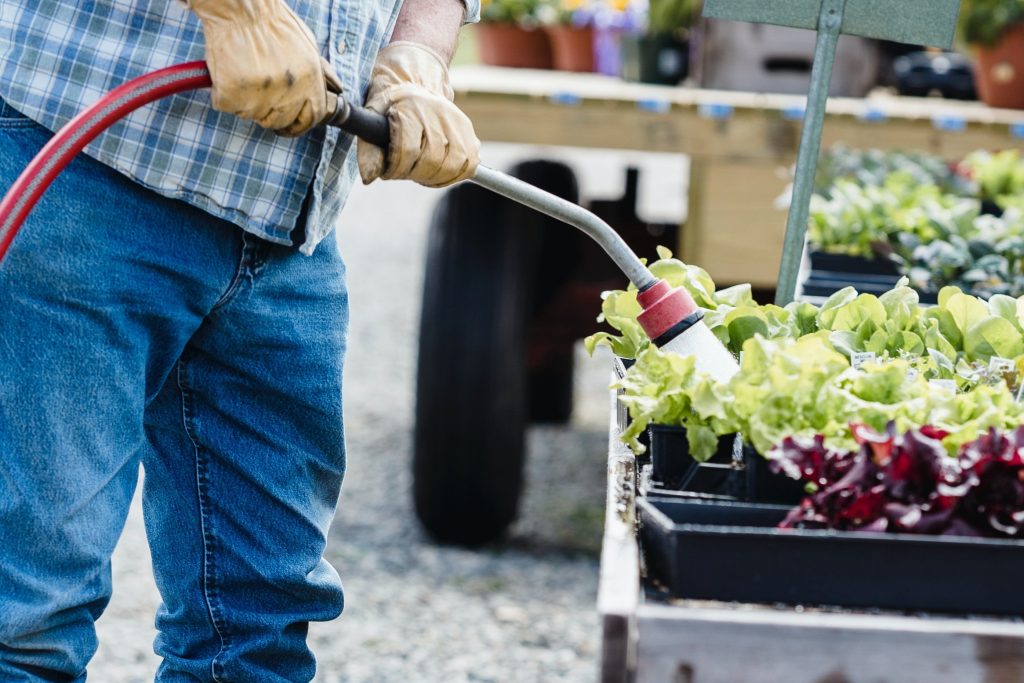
pixel 173 302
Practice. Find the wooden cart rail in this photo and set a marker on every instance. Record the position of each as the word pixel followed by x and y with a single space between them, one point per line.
pixel 740 143
pixel 650 641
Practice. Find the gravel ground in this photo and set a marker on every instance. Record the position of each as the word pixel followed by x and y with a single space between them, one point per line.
pixel 416 612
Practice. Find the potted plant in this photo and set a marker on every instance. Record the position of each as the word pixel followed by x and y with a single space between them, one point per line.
pixel 660 53
pixel 510 34
pixel 570 28
pixel 998 177
pixel 995 29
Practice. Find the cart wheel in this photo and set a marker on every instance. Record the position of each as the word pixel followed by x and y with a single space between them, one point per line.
pixel 470 389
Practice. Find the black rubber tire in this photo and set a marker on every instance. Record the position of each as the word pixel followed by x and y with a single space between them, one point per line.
pixel 471 384
pixel 471 390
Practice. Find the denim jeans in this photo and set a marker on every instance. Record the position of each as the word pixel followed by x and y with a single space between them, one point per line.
pixel 137 330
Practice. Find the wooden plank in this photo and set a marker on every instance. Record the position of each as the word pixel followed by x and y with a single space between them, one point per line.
pixel 619 584
pixel 724 644
pixel 764 135
pixel 691 236
pixel 545 85
pixel 734 230
pixel 611 125
pixel 918 134
pixel 514 105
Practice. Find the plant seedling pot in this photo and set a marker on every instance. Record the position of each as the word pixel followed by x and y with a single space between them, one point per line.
pixel 674 467
pixel 765 486
pixel 845 263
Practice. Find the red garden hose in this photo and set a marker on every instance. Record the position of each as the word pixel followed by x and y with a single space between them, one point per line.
pixel 83 129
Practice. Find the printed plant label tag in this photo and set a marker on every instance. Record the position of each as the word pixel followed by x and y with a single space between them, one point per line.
pixel 1000 366
pixel 859 359
pixel 946 384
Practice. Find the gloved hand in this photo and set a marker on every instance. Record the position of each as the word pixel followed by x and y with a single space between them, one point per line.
pixel 264 64
pixel 432 141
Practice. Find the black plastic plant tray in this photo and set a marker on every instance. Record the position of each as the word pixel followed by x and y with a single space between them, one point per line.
pixel 660 493
pixel 844 263
pixel 751 479
pixel 765 486
pixel 825 284
pixel 833 282
pixel 732 552
pixel 673 465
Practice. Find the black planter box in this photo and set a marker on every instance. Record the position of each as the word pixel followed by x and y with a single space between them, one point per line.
pixel 832 272
pixel 843 263
pixel 711 481
pixel 736 470
pixel 765 486
pixel 732 552
pixel 825 284
pixel 674 468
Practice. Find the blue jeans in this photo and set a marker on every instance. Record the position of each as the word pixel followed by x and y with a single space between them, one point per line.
pixel 134 330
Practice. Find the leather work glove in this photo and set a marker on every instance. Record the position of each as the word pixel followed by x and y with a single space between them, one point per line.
pixel 432 141
pixel 265 64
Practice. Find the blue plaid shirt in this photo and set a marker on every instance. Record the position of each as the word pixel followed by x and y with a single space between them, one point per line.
pixel 58 56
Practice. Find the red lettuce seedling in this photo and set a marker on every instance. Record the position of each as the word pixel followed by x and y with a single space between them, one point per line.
pixel 907 483
pixel 992 480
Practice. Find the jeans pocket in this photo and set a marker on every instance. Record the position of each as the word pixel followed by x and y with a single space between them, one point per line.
pixel 11 117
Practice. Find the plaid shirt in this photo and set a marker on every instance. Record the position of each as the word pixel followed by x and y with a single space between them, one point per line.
pixel 58 56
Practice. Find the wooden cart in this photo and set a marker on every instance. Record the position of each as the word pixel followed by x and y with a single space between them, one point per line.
pixel 646 639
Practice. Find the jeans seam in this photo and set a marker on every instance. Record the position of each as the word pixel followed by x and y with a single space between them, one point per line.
pixel 236 279
pixel 211 592
pixel 250 261
pixel 12 118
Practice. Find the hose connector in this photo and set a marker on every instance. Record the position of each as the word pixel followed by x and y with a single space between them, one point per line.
pixel 668 312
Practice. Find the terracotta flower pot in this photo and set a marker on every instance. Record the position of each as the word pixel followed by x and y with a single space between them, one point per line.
pixel 572 47
pixel 1000 70
pixel 507 44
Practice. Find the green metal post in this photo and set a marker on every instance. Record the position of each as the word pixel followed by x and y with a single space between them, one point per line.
pixel 830 23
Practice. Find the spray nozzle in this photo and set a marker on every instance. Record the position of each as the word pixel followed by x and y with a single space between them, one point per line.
pixel 667 311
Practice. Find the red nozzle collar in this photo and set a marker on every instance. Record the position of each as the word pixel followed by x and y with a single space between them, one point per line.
pixel 664 308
